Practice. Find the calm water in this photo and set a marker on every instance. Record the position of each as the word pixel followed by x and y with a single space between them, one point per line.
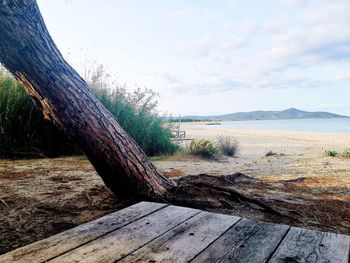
pixel 341 125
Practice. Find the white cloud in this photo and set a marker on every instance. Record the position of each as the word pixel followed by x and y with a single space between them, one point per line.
pixel 231 3
pixel 198 47
pixel 292 2
pixel 282 52
pixel 342 75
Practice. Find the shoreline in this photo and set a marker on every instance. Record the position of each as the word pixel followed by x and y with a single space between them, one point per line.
pixel 256 142
pixel 283 125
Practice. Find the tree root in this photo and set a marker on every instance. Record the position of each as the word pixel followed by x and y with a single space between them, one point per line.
pixel 219 193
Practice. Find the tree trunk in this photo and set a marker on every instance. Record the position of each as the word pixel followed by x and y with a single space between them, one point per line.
pixel 29 53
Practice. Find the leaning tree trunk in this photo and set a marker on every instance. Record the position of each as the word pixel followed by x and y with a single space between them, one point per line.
pixel 29 53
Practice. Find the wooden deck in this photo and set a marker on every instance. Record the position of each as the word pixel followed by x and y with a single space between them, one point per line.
pixel 153 232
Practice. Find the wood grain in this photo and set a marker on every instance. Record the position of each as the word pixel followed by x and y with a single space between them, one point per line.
pixel 185 241
pixel 123 241
pixel 246 241
pixel 302 245
pixel 75 237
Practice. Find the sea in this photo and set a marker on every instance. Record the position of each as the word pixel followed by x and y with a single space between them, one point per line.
pixel 336 125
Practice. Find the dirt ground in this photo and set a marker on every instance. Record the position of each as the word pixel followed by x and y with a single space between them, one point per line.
pixel 41 197
pixel 312 189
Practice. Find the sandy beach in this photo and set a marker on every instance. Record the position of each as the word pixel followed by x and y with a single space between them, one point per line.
pixel 300 179
pixel 301 154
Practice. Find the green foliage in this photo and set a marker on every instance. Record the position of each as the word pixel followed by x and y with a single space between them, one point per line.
pixel 272 153
pixel 203 148
pixel 182 120
pixel 345 154
pixel 331 153
pixel 136 113
pixel 228 145
pixel 24 132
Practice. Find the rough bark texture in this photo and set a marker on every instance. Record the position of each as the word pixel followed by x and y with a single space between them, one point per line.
pixel 29 53
pixel 27 50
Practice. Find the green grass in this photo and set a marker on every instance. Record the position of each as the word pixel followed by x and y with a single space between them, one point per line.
pixel 24 132
pixel 345 154
pixel 203 148
pixel 331 153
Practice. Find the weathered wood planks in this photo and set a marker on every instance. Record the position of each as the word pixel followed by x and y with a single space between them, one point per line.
pixel 247 241
pixel 131 237
pixel 152 232
pixel 185 241
pixel 68 240
pixel 302 245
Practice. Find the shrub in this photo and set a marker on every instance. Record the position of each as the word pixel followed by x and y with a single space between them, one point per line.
pixel 346 154
pixel 136 112
pixel 331 153
pixel 228 145
pixel 203 148
pixel 271 153
pixel 24 132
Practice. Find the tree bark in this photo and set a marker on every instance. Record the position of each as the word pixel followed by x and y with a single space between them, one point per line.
pixel 29 53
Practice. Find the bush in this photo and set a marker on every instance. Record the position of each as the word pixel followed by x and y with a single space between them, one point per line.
pixel 136 112
pixel 24 132
pixel 203 148
pixel 331 153
pixel 346 154
pixel 228 145
pixel 271 153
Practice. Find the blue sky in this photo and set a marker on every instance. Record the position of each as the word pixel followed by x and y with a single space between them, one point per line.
pixel 214 56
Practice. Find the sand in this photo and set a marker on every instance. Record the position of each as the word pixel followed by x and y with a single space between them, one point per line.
pixel 301 179
pixel 39 198
pixel 302 154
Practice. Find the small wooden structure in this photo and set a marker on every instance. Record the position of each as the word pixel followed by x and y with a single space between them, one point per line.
pixel 153 232
pixel 178 135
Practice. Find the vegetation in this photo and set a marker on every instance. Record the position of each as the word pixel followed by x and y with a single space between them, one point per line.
pixel 272 153
pixel 345 154
pixel 182 120
pixel 228 145
pixel 203 148
pixel 331 153
pixel 24 132
pixel 136 112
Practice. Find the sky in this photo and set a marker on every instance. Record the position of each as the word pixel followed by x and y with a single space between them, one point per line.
pixel 214 56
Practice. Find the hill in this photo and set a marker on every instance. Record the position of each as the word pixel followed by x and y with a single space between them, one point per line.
pixel 291 113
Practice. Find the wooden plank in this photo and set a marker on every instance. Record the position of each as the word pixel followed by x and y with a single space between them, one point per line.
pixel 302 245
pixel 75 237
pixel 246 241
pixel 126 240
pixel 185 241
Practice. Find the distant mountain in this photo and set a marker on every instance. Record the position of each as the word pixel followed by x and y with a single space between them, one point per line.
pixel 291 113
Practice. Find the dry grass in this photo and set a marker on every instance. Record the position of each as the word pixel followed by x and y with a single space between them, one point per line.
pixel 39 198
